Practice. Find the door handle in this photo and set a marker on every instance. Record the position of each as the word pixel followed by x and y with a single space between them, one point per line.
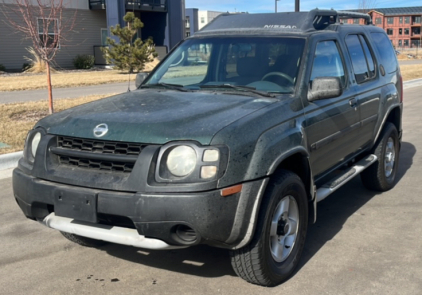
pixel 353 102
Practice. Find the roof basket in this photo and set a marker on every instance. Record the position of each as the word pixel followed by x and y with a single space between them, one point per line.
pixel 354 15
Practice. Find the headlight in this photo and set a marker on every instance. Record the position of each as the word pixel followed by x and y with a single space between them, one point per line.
pixel 31 144
pixel 181 161
pixel 35 142
pixel 188 162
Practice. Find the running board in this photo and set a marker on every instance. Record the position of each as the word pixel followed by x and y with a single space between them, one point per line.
pixel 338 181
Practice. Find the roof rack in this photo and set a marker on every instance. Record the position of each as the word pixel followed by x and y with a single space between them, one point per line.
pixel 354 15
pixel 315 19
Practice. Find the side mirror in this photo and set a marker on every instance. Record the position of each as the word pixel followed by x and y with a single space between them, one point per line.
pixel 140 77
pixel 324 87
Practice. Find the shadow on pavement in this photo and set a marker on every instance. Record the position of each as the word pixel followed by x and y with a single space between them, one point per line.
pixel 202 260
pixel 337 208
pixel 206 261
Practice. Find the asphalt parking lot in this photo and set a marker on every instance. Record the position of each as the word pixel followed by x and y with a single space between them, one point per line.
pixel 363 243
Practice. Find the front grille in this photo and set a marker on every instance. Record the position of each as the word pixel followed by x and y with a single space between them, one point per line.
pixel 97 154
pixel 99 146
pixel 96 164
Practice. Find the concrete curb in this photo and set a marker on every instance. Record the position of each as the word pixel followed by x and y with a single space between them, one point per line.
pixel 11 160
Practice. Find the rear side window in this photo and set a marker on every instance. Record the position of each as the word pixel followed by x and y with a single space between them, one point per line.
pixel 386 52
pixel 362 61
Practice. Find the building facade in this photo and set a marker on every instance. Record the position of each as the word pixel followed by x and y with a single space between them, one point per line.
pixel 197 19
pixel 402 24
pixel 163 21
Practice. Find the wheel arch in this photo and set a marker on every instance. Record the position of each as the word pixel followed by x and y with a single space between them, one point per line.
pixel 296 161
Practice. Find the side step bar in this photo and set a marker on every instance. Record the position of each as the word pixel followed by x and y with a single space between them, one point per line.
pixel 338 181
pixel 113 234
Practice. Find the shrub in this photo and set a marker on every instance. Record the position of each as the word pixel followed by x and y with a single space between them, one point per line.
pixel 37 65
pixel 83 61
pixel 26 66
pixel 2 68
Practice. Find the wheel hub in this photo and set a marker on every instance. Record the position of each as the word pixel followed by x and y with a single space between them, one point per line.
pixel 284 228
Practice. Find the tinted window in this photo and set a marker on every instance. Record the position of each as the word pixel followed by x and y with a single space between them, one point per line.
pixel 360 67
pixel 369 57
pixel 386 52
pixel 327 62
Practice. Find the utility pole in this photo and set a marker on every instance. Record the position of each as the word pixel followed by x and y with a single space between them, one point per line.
pixel 276 5
pixel 297 5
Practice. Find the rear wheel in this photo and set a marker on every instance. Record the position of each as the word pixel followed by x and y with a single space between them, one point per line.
pixel 381 175
pixel 275 249
pixel 83 241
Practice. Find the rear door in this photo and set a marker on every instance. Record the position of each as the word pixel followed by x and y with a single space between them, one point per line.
pixel 366 82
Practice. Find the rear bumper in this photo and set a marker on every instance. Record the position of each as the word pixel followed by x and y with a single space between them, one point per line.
pixel 225 222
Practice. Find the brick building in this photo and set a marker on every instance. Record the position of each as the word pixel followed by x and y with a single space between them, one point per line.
pixel 402 24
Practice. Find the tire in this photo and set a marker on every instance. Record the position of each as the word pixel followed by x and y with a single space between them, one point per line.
pixel 381 175
pixel 259 262
pixel 83 241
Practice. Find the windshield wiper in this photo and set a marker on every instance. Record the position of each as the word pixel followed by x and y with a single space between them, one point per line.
pixel 239 87
pixel 166 85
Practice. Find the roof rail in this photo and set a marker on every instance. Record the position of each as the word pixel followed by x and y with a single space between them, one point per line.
pixel 355 15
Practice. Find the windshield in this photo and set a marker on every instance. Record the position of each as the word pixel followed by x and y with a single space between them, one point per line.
pixel 265 64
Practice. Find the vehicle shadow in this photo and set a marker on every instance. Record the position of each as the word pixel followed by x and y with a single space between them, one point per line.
pixel 206 261
pixel 202 260
pixel 337 208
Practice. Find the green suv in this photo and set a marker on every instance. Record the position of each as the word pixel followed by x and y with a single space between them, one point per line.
pixel 231 141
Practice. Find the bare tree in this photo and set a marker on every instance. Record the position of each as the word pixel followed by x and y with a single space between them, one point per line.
pixel 42 22
pixel 367 5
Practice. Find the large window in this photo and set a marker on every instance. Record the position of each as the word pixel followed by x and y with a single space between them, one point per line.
pixel 362 61
pixel 48 30
pixel 378 21
pixel 401 19
pixel 407 20
pixel 264 63
pixel 400 43
pixel 327 62
pixel 400 31
pixel 389 31
pixel 406 31
pixel 385 51
pixel 390 20
pixel 416 19
pixel 406 43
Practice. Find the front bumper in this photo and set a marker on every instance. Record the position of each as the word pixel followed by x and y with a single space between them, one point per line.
pixel 225 222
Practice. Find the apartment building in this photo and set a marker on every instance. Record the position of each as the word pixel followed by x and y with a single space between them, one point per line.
pixel 163 21
pixel 402 24
pixel 196 19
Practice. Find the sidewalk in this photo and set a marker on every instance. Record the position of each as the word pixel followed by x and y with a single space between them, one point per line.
pixel 74 92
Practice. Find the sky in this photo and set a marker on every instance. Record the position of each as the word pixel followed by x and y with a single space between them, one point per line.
pixel 288 5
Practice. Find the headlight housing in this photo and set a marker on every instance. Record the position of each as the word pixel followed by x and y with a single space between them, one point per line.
pixel 186 162
pixel 31 144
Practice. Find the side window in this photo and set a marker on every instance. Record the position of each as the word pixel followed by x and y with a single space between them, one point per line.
pixel 369 57
pixel 386 52
pixel 363 68
pixel 327 62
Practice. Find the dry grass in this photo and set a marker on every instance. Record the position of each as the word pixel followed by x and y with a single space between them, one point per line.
pixel 17 119
pixel 410 72
pixel 67 79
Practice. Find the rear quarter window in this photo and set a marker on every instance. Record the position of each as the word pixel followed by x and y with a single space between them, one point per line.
pixel 385 51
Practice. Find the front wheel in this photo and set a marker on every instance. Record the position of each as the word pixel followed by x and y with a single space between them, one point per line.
pixel 279 238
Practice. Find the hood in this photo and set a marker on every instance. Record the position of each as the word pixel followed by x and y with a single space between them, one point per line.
pixel 155 116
